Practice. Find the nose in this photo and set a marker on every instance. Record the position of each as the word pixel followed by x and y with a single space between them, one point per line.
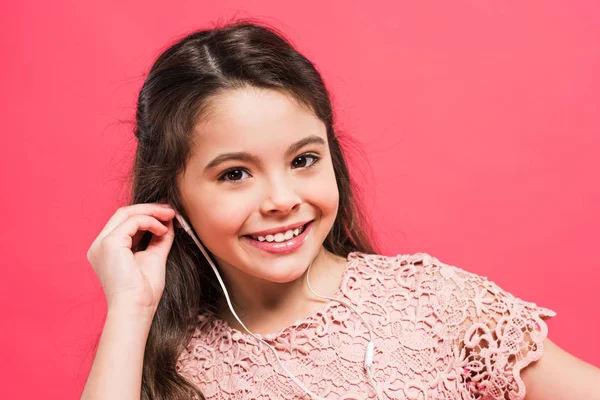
pixel 281 197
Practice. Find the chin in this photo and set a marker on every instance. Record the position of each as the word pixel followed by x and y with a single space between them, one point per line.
pixel 280 268
pixel 285 275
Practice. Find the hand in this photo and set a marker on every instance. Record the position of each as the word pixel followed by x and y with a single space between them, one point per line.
pixel 128 279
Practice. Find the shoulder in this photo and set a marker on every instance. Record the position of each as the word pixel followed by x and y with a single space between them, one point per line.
pixel 390 264
pixel 382 275
pixel 458 296
pixel 406 269
pixel 495 334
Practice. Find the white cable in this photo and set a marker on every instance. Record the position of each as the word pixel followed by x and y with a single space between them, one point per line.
pixel 187 228
pixel 369 352
pixel 370 346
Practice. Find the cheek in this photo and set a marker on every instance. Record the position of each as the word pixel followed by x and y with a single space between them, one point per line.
pixel 224 216
pixel 323 193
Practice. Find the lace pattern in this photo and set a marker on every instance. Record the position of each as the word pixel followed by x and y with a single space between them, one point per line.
pixel 440 333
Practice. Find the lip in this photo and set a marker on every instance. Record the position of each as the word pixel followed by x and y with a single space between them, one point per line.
pixel 281 229
pixel 283 247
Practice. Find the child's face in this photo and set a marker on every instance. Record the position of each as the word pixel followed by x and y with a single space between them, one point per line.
pixel 273 189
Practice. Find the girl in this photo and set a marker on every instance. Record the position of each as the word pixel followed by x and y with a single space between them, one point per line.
pixel 236 141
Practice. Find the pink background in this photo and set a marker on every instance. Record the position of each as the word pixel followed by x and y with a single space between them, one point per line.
pixel 479 121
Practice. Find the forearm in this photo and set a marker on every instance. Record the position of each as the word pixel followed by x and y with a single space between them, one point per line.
pixel 116 372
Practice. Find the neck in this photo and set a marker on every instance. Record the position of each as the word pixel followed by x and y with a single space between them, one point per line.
pixel 265 306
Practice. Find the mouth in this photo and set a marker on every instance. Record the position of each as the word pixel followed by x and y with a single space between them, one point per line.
pixel 278 244
pixel 280 237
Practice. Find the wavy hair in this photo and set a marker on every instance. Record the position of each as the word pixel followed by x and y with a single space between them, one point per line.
pixel 175 95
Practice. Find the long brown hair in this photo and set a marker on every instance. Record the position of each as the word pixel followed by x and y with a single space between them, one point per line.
pixel 173 98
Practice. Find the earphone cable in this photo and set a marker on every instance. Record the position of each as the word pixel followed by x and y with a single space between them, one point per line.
pixel 370 345
pixel 187 228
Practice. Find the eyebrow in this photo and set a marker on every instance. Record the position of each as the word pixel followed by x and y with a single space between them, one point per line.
pixel 247 157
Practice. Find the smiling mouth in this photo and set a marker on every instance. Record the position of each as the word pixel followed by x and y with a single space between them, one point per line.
pixel 281 236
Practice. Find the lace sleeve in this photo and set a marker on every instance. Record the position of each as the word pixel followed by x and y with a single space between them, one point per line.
pixel 496 334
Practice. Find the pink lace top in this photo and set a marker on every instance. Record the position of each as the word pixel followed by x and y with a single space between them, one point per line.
pixel 440 332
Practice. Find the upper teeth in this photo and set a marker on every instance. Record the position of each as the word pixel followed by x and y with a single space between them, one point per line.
pixel 281 236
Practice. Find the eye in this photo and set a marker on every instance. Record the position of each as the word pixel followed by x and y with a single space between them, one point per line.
pixel 233 175
pixel 301 161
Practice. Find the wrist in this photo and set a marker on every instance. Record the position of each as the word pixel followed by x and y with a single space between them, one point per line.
pixel 145 314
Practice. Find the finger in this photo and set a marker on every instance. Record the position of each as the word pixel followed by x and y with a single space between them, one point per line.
pixel 158 248
pixel 161 245
pixel 122 235
pixel 152 209
pixel 136 238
